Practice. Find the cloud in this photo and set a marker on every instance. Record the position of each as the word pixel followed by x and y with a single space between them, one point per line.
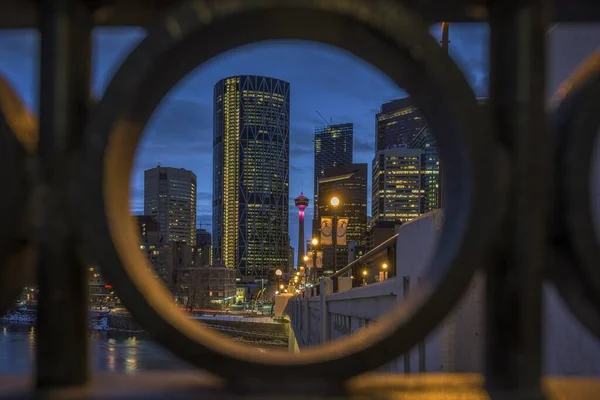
pixel 180 122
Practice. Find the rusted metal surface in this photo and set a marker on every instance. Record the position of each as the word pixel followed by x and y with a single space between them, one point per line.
pixel 185 38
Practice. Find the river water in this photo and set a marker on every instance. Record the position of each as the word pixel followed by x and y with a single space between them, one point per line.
pixel 109 351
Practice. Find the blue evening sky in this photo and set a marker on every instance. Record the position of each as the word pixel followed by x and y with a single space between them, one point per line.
pixel 334 82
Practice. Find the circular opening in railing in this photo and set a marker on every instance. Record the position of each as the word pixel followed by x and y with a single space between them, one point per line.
pixel 222 157
pixel 18 139
pixel 577 122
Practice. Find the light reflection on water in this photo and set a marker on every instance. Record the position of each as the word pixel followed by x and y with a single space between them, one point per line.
pixel 110 351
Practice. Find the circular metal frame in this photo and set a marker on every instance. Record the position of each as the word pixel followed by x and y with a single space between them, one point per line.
pixel 17 127
pixel 575 270
pixel 381 32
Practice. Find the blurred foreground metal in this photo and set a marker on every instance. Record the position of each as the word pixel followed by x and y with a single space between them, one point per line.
pixel 497 186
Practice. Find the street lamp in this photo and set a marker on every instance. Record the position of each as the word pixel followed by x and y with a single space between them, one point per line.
pixel 335 202
pixel 384 267
pixel 365 273
pixel 314 243
pixel 278 273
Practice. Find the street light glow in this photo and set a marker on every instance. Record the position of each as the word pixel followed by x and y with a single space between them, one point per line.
pixel 278 272
pixel 384 266
pixel 315 241
pixel 365 272
pixel 281 287
pixel 305 258
pixel 335 201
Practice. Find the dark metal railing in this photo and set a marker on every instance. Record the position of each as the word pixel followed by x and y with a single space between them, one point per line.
pixel 66 198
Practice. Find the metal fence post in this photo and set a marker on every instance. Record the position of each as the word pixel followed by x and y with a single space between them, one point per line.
pixel 65 27
pixel 515 274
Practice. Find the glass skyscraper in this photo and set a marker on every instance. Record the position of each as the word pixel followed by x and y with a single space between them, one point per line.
pixel 430 169
pixel 251 174
pixel 397 185
pixel 397 124
pixel 333 147
pixel 170 198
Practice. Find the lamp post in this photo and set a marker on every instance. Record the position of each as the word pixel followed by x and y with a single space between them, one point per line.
pixel 335 202
pixel 303 273
pixel 314 243
pixel 365 273
pixel 305 268
pixel 384 267
pixel 278 273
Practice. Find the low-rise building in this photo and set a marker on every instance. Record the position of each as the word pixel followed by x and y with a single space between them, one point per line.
pixel 212 287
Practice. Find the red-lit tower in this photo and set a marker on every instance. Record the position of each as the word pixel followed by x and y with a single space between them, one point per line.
pixel 301 204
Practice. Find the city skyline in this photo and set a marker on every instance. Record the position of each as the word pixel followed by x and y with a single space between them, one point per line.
pixel 337 84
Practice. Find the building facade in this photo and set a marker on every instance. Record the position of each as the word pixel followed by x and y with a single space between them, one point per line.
pixel 170 198
pixel 333 147
pixel 203 250
pixel 397 192
pixel 397 124
pixel 212 287
pixel 168 259
pixel 251 174
pixel 349 184
pixel 430 170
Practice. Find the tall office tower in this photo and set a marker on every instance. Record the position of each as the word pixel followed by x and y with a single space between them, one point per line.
pixel 349 184
pixel 251 174
pixel 430 169
pixel 170 197
pixel 301 203
pixel 203 248
pixel 397 186
pixel 333 147
pixel 397 124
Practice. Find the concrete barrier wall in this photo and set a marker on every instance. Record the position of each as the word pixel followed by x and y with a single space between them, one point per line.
pixel 457 345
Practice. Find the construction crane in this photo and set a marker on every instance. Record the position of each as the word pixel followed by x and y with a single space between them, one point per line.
pixel 324 119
